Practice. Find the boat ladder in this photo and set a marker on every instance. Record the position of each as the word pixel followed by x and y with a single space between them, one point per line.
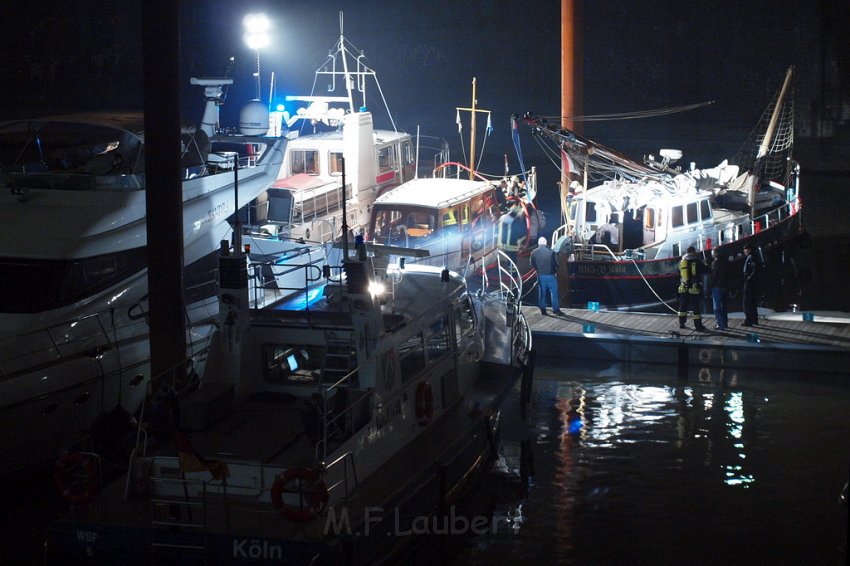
pixel 336 362
pixel 173 515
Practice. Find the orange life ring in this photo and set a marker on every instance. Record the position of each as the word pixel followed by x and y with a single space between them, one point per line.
pixel 311 488
pixel 78 493
pixel 424 403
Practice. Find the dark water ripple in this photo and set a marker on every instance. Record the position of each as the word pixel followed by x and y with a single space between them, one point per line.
pixel 647 469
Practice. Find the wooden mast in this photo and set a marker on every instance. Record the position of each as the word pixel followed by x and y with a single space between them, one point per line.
pixel 473 110
pixel 472 135
pixel 571 73
pixel 768 138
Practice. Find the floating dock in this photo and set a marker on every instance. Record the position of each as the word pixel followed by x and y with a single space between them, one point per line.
pixel 817 342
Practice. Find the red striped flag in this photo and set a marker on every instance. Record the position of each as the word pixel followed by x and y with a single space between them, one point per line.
pixel 567 163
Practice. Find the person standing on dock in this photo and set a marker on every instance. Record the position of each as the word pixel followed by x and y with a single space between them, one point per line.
pixel 690 289
pixel 719 282
pixel 545 262
pixel 751 271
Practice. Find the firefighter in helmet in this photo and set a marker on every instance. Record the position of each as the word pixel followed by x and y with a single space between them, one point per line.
pixel 690 289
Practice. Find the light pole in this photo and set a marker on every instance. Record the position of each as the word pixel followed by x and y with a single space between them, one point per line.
pixel 257 37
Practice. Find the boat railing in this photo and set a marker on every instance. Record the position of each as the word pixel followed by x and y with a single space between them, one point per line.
pixel 346 460
pixel 183 499
pixel 78 337
pixel 267 278
pixel 505 281
pixel 342 421
pixel 315 202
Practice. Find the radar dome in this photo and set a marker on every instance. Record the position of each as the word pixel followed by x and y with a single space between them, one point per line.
pixel 254 119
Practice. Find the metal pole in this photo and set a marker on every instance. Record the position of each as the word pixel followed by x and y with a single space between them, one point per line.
pixel 344 217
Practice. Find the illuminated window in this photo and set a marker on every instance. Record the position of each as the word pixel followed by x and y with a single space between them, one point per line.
pixel 304 161
pixel 335 162
pixel 386 159
pixel 649 218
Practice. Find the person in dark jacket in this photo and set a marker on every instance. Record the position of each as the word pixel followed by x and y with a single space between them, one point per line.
pixel 751 270
pixel 719 284
pixel 545 262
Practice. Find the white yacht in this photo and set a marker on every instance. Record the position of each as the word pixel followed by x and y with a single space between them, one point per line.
pixel 73 325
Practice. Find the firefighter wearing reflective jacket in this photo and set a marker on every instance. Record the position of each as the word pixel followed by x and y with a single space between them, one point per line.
pixel 690 289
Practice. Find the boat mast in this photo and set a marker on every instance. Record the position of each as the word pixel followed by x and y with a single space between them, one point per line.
pixel 570 76
pixel 768 137
pixel 473 110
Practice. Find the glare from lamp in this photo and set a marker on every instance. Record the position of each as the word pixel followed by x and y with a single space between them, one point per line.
pixel 376 288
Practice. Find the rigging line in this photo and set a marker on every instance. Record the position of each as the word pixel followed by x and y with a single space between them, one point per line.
pixel 632 115
pixel 480 157
pixel 663 302
pixel 462 147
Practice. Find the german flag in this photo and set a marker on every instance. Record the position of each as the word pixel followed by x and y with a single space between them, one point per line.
pixel 191 461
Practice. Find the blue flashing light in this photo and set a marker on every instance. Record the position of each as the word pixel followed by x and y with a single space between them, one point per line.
pixel 575 426
pixel 302 300
pixel 363 109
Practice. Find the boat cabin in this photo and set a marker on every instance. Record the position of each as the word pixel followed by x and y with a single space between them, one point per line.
pixel 306 198
pixel 452 218
pixel 647 222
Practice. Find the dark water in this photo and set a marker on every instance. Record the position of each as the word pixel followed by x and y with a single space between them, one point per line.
pixel 630 465
pixel 633 466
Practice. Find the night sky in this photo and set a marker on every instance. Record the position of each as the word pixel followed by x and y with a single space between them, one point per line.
pixel 80 55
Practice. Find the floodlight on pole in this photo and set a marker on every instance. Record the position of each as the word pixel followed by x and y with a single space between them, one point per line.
pixel 256 37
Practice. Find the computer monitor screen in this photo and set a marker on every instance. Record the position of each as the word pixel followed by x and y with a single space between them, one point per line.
pixel 293 362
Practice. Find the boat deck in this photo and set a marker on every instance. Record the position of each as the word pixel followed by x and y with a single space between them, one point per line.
pixel 780 341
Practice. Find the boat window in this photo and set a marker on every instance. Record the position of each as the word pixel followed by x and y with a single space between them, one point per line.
pixel 438 338
pixel 704 209
pixel 335 162
pixel 386 159
pixel 449 219
pixel 677 216
pixel 590 212
pixel 406 152
pixel 411 357
pixel 31 286
pixel 649 218
pixel 692 213
pixel 402 225
pixel 292 363
pixel 304 161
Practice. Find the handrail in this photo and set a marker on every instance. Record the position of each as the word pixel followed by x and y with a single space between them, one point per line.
pixel 343 458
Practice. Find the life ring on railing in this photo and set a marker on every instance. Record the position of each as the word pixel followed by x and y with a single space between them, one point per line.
pixel 424 403
pixel 311 488
pixel 477 242
pixel 83 489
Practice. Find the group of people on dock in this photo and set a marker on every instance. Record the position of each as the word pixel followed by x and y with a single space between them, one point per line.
pixel 691 270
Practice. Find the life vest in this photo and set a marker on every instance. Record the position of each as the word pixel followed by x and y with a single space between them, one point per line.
pixel 690 281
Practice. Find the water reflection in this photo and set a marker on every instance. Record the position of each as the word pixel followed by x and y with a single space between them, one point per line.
pixel 631 462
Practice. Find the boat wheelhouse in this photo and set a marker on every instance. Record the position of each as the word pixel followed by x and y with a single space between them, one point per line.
pixel 454 219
